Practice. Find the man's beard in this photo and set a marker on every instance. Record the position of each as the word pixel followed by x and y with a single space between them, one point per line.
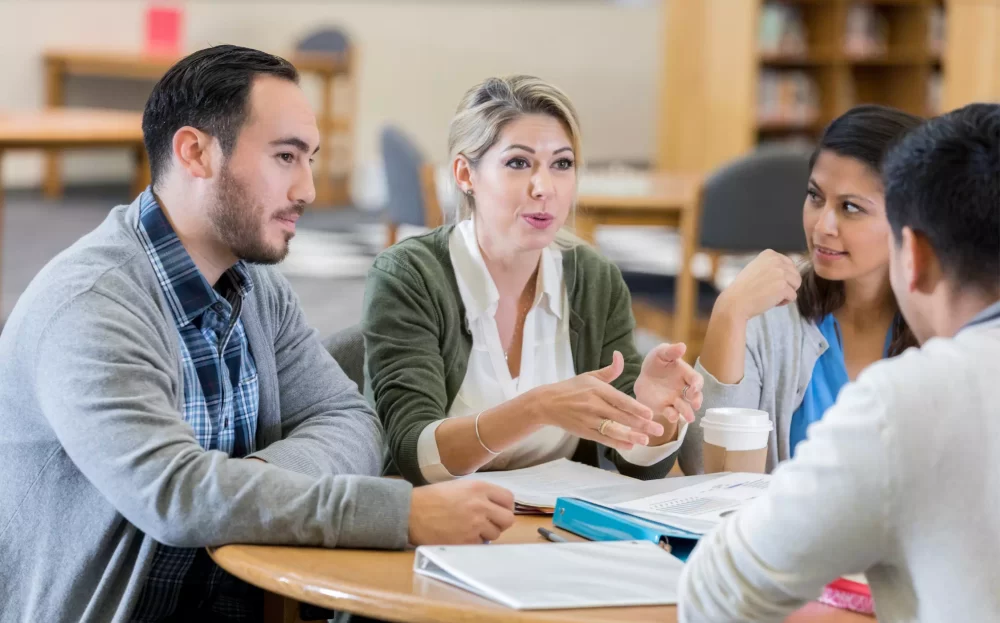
pixel 239 222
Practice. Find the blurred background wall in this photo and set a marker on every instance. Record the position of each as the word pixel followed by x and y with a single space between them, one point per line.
pixel 417 57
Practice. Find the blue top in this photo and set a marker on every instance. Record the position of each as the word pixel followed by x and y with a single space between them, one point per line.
pixel 829 375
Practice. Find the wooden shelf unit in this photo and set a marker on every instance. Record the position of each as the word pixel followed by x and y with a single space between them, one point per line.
pixel 713 66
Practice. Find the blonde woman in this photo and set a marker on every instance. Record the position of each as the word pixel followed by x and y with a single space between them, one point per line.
pixel 497 342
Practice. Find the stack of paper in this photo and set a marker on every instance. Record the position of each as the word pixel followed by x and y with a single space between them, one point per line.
pixel 536 488
pixel 700 507
pixel 695 504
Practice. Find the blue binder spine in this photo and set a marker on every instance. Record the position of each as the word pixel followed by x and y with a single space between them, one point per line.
pixel 599 523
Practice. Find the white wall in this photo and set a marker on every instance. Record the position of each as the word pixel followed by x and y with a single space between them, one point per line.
pixel 417 58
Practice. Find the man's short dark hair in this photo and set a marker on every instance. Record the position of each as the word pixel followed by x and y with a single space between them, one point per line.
pixel 943 181
pixel 208 90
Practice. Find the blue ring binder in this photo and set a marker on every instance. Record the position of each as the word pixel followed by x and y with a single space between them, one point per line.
pixel 600 523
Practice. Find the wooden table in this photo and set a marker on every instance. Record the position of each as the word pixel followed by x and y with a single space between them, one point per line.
pixel 69 128
pixel 60 64
pixel 383 585
pixel 669 200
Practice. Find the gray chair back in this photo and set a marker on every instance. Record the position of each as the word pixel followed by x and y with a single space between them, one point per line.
pixel 327 40
pixel 755 202
pixel 348 348
pixel 403 162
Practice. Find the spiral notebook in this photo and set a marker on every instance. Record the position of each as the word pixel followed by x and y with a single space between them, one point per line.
pixel 544 576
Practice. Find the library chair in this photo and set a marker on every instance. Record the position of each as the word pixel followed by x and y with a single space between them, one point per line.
pixel 330 54
pixel 748 205
pixel 347 347
pixel 412 190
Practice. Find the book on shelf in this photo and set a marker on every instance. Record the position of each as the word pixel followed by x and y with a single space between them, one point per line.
pixel 867 32
pixel 782 30
pixel 935 31
pixel 787 98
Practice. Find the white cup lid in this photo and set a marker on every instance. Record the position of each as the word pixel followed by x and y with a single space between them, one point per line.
pixel 737 418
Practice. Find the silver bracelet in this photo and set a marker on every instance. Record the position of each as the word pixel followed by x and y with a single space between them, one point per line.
pixel 485 447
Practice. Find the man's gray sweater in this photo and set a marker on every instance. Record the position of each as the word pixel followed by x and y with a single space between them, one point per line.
pixel 97 464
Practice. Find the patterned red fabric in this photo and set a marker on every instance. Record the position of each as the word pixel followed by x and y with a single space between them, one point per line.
pixel 848 595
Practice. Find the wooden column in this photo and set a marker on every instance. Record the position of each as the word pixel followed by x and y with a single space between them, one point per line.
pixel 972 53
pixel 55 97
pixel 708 86
pixel 324 188
pixel 686 303
pixel 1 236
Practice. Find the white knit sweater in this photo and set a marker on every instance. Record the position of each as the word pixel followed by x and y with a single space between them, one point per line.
pixel 900 480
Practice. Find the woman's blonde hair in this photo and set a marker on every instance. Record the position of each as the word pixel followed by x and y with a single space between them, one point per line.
pixel 488 107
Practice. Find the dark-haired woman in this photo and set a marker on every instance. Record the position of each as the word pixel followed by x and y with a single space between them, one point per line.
pixel 786 340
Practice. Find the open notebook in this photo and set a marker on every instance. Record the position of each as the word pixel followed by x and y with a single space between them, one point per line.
pixel 701 506
pixel 536 488
pixel 542 576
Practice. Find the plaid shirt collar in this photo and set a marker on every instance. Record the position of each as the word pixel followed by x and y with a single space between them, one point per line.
pixel 188 292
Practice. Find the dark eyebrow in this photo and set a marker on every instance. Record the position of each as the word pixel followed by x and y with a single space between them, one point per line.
pixel 850 197
pixel 845 197
pixel 531 151
pixel 296 142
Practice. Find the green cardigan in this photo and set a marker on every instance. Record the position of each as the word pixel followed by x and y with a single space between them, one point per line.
pixel 417 341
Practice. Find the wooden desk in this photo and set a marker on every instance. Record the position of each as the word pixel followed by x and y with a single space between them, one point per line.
pixel 69 128
pixel 662 200
pixel 383 585
pixel 59 64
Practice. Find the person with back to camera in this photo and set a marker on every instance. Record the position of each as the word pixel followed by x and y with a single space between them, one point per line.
pixel 899 480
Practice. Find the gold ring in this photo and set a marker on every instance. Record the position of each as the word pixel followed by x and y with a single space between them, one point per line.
pixel 604 424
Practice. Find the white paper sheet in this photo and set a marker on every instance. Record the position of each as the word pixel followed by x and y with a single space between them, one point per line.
pixel 703 505
pixel 541 485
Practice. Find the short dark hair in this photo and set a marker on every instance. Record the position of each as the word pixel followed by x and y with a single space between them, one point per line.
pixel 866 134
pixel 208 90
pixel 943 182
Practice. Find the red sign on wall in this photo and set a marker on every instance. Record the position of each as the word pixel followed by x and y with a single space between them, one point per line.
pixel 164 24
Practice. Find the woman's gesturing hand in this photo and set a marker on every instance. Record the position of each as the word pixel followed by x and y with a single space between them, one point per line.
pixel 588 406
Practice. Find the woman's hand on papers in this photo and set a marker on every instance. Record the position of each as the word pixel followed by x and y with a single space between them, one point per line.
pixel 661 387
pixel 580 405
pixel 459 512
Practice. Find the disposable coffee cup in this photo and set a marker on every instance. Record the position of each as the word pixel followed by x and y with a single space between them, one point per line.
pixel 735 440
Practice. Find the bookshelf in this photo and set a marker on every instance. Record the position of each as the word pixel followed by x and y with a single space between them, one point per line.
pixel 740 73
